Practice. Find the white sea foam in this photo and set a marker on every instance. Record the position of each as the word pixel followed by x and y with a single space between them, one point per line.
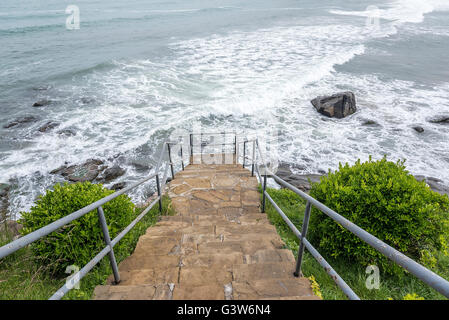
pixel 401 11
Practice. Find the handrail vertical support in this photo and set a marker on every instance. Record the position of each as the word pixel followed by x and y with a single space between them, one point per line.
pixel 182 159
pixel 158 186
pixel 253 158
pixel 107 239
pixel 263 191
pixel 191 145
pixel 171 163
pixel 235 144
pixel 305 226
pixel 244 153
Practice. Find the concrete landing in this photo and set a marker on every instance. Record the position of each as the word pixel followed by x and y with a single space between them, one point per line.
pixel 218 245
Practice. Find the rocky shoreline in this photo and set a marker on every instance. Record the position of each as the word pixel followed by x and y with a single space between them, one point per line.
pixel 303 181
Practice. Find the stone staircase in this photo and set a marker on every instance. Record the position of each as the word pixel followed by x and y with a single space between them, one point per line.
pixel 218 246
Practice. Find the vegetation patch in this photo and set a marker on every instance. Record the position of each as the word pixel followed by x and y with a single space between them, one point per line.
pixel 396 285
pixel 23 275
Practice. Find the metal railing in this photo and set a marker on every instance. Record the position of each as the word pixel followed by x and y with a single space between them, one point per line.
pixel 427 276
pixel 109 248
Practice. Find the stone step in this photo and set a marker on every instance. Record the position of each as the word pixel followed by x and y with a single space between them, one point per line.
pixel 207 260
pixel 205 292
pixel 134 292
pixel 138 261
pixel 227 229
pixel 153 276
pixel 245 247
pixel 271 288
pixel 199 276
pixel 270 256
pixel 277 270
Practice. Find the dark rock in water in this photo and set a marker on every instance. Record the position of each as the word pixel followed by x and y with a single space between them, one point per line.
pixel 300 181
pixel 42 103
pixel 339 105
pixel 48 126
pixel 370 123
pixel 118 186
pixel 140 167
pixel 4 200
pixel 19 121
pixel 87 171
pixel 443 119
pixel 169 179
pixel 12 227
pixel 434 184
pixel 67 132
pixel 419 129
pixel 112 173
pixel 85 100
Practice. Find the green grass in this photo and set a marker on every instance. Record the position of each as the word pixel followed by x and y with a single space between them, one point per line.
pixel 395 287
pixel 22 278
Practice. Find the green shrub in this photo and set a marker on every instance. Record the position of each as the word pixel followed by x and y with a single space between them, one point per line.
pixel 388 202
pixel 79 241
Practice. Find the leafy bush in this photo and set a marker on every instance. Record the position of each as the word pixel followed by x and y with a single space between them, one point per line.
pixel 388 202
pixel 79 241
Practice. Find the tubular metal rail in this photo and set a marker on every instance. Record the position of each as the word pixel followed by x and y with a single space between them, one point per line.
pixel 433 280
pixel 109 249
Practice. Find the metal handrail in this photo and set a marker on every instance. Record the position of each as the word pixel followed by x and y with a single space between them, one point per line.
pixel 109 249
pixel 427 276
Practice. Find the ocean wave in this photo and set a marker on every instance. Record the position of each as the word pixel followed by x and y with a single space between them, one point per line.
pixel 401 11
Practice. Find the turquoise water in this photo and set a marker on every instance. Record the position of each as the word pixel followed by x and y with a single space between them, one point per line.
pixel 136 70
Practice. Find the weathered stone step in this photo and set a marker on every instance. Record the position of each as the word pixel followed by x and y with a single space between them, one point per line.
pixel 245 247
pixel 271 288
pixel 199 276
pixel 134 292
pixel 205 292
pixel 240 229
pixel 153 276
pixel 207 260
pixel 277 270
pixel 144 261
pixel 270 256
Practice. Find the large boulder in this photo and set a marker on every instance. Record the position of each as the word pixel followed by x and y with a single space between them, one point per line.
pixel 112 173
pixel 300 181
pixel 339 105
pixel 87 171
pixel 434 184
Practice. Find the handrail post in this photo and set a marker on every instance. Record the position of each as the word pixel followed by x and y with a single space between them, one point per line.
pixel 253 158
pixel 171 163
pixel 107 239
pixel 191 145
pixel 305 227
pixel 263 191
pixel 244 152
pixel 235 143
pixel 182 159
pixel 158 186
